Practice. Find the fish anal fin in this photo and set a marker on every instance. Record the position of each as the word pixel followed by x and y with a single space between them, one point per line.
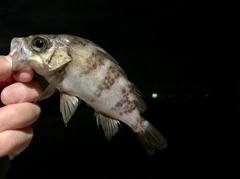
pixel 68 106
pixel 109 125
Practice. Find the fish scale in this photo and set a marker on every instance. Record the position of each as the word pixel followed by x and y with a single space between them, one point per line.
pixel 81 70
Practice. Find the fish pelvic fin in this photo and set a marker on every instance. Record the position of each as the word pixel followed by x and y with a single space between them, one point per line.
pixel 150 137
pixel 109 125
pixel 68 106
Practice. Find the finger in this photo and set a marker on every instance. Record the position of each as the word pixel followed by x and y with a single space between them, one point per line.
pixel 21 92
pixel 14 142
pixel 3 84
pixel 5 67
pixel 24 75
pixel 16 116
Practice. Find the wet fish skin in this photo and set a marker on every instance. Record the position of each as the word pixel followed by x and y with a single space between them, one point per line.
pixel 81 70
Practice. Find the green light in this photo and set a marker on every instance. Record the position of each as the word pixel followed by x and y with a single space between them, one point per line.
pixel 154 95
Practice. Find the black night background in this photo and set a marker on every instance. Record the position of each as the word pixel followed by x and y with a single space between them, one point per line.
pixel 157 45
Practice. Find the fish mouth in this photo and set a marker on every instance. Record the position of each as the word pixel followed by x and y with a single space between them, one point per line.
pixel 16 45
pixel 19 53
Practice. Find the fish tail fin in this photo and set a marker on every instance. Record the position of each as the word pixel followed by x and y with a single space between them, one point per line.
pixel 150 137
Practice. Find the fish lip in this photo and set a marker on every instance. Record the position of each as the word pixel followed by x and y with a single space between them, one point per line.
pixel 18 53
pixel 16 43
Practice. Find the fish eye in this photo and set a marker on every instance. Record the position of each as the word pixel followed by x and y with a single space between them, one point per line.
pixel 40 43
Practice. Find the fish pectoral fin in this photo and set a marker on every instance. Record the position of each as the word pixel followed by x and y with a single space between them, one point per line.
pixel 68 105
pixel 51 88
pixel 109 125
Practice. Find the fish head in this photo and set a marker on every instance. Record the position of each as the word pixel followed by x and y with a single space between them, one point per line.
pixel 46 54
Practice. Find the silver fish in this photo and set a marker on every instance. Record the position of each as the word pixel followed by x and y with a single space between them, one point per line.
pixel 81 70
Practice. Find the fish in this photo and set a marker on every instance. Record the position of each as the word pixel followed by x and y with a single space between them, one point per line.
pixel 83 71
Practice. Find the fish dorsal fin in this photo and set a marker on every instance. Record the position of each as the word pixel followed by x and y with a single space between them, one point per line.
pixel 140 103
pixel 109 125
pixel 68 105
pixel 50 88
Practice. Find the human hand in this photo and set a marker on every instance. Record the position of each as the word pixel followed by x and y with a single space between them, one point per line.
pixel 17 110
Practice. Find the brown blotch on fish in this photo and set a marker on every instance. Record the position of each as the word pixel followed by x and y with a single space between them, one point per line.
pixel 78 41
pixel 93 62
pixel 124 91
pixel 125 105
pixel 118 104
pixel 108 82
pixel 113 109
pixel 129 107
pixel 111 76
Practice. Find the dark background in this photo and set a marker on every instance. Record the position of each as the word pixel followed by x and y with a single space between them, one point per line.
pixel 160 46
